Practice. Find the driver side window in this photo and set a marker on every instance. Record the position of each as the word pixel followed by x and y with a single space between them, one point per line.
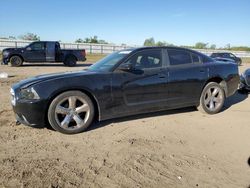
pixel 146 59
pixel 232 55
pixel 37 46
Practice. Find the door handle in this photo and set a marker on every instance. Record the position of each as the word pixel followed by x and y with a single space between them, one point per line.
pixel 202 71
pixel 161 75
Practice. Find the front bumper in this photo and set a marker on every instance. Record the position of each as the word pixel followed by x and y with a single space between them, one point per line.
pixel 31 113
pixel 243 85
pixel 5 61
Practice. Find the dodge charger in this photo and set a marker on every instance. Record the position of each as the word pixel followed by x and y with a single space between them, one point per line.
pixel 127 82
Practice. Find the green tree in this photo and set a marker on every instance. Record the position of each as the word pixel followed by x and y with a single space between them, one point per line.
pixel 228 46
pixel 240 48
pixel 79 40
pixel 94 39
pixel 201 45
pixel 149 42
pixel 213 46
pixel 30 36
pixel 87 40
pixel 12 37
pixel 102 42
pixel 159 43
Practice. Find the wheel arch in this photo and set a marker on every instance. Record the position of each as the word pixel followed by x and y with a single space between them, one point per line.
pixel 86 91
pixel 70 55
pixel 219 81
pixel 19 55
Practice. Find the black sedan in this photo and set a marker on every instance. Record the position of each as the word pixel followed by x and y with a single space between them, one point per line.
pixel 125 83
pixel 245 81
pixel 225 56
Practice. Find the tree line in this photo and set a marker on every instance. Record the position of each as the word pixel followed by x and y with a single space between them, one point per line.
pixel 148 42
pixel 198 45
pixel 35 37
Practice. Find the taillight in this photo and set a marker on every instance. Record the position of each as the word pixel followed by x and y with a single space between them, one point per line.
pixel 84 53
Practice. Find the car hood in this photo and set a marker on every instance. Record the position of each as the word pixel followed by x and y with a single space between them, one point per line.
pixel 247 72
pixel 13 49
pixel 41 78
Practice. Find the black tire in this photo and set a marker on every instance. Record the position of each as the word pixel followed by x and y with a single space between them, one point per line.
pixel 70 61
pixel 65 122
pixel 16 61
pixel 207 101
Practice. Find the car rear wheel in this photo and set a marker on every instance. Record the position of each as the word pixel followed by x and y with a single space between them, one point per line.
pixel 212 98
pixel 71 112
pixel 70 61
pixel 16 61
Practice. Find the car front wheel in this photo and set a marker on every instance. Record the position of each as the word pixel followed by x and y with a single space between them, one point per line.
pixel 212 98
pixel 71 112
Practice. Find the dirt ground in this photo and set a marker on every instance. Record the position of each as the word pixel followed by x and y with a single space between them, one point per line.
pixel 178 148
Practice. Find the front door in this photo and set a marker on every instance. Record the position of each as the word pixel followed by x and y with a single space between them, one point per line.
pixel 143 87
pixel 35 52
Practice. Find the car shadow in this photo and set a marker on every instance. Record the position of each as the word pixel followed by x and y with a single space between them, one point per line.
pixel 234 99
pixel 100 124
pixel 54 65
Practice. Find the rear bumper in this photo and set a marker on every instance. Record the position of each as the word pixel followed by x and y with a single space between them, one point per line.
pixel 82 59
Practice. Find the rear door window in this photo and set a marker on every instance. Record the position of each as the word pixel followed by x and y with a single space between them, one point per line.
pixel 179 57
pixel 195 58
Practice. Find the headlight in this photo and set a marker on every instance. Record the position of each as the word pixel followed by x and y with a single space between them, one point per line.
pixel 244 74
pixel 5 53
pixel 13 98
pixel 28 93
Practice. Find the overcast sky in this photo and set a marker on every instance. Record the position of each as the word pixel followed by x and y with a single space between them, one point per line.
pixel 180 22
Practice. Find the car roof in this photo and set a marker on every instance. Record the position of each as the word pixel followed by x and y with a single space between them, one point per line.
pixel 221 53
pixel 163 47
pixel 47 41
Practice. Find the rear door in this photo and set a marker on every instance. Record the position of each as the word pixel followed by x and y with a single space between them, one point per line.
pixel 186 76
pixel 35 52
pixel 145 86
pixel 50 51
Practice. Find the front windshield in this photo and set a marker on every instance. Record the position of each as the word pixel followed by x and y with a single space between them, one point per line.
pixel 109 61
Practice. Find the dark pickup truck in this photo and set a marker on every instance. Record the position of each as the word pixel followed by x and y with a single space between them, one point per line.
pixel 42 51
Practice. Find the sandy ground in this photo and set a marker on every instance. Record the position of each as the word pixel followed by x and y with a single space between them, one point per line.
pixel 180 148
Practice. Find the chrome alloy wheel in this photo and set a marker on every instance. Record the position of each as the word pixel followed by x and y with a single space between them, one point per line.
pixel 213 98
pixel 72 112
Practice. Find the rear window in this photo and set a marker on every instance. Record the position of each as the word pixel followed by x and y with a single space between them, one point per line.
pixel 215 55
pixel 206 59
pixel 195 58
pixel 179 57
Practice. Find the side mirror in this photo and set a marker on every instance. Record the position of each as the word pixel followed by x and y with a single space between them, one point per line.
pixel 125 67
pixel 28 48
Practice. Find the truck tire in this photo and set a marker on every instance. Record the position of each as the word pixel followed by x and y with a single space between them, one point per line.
pixel 212 98
pixel 70 61
pixel 16 61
